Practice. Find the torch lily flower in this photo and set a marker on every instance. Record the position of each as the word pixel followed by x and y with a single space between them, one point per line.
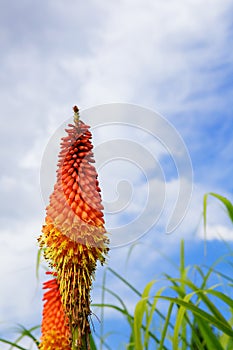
pixel 55 324
pixel 73 237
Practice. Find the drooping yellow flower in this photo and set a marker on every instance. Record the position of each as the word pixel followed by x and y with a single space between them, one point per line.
pixel 74 237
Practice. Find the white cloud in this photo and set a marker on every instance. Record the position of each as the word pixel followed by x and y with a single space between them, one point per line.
pixel 19 288
pixel 162 45
pixel 218 232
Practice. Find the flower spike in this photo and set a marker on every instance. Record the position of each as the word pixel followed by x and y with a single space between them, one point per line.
pixel 55 324
pixel 74 237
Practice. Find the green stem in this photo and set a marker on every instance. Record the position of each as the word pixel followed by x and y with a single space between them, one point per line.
pixel 75 337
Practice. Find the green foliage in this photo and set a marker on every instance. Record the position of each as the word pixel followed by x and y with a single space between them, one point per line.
pixel 197 323
pixel 199 315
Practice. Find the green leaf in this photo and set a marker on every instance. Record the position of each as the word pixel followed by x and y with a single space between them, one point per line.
pixel 164 332
pixel 150 317
pixel 179 320
pixel 122 311
pixel 211 340
pixel 228 205
pixel 140 310
pixel 227 300
pixel 226 328
pixel 27 333
pixel 136 292
pixel 13 344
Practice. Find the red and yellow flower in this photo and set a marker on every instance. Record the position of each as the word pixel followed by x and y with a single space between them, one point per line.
pixel 55 324
pixel 73 237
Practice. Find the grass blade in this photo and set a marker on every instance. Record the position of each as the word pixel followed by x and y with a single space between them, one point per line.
pixel 140 310
pixel 226 328
pixel 164 332
pixel 14 345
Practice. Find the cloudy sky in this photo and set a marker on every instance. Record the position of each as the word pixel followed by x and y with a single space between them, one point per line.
pixel 172 59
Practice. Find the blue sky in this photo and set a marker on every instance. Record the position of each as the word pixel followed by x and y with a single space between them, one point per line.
pixel 172 57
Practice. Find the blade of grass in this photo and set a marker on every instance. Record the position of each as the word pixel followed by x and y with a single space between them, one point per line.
pixel 227 300
pixel 211 340
pixel 117 308
pixel 228 205
pixel 208 334
pixel 196 339
pixel 164 332
pixel 204 298
pixel 226 328
pixel 230 279
pixel 12 344
pixel 38 260
pixel 150 317
pixel 179 320
pixel 205 219
pixel 182 286
pixel 140 310
pixel 124 281
pixel 27 333
pixel 102 310
pixel 136 292
pixel 131 248
pixel 122 304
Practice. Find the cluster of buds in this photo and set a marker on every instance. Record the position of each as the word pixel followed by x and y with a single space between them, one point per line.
pixel 73 240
